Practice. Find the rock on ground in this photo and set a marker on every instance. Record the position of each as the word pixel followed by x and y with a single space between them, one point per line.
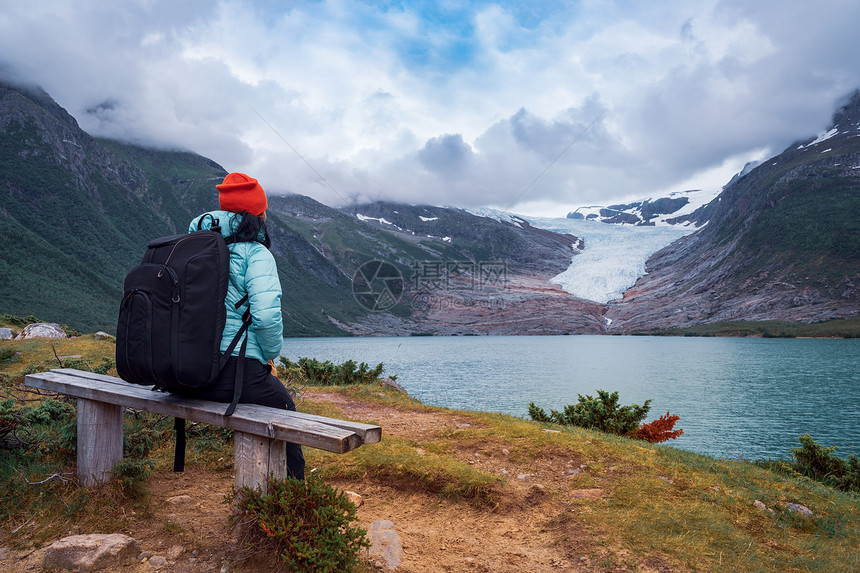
pixel 42 330
pixel 91 552
pixel 385 546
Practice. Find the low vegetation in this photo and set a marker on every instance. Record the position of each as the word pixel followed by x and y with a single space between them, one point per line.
pixel 814 461
pixel 605 415
pixel 310 522
pixel 312 371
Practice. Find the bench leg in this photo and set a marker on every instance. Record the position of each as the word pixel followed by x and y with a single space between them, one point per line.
pixel 255 458
pixel 99 441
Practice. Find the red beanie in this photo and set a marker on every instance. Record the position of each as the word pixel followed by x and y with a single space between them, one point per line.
pixel 239 192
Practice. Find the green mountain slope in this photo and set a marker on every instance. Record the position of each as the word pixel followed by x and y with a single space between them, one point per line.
pixel 71 227
pixel 78 212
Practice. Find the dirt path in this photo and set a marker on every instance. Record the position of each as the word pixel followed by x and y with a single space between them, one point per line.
pixel 536 525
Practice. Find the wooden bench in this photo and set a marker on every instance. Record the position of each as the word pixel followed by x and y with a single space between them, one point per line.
pixel 259 439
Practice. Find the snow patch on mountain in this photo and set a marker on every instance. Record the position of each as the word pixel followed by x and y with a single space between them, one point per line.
pixel 822 137
pixel 662 211
pixel 381 220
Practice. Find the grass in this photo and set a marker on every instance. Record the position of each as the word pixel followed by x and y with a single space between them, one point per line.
pixel 661 505
pixel 702 510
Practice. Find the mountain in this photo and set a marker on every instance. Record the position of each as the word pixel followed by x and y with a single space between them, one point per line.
pixel 461 273
pixel 677 208
pixel 494 275
pixel 78 211
pixel 782 243
pixel 76 214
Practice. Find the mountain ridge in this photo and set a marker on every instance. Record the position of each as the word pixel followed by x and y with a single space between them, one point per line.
pixel 779 244
pixel 782 243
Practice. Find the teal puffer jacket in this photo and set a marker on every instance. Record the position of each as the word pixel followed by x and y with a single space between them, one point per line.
pixel 253 272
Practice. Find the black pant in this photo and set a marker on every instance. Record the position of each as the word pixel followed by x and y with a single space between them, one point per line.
pixel 262 388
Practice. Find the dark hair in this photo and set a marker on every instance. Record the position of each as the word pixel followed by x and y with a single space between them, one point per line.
pixel 251 228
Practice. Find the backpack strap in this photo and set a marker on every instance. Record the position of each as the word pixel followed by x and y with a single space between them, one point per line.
pixel 215 225
pixel 246 322
pixel 240 365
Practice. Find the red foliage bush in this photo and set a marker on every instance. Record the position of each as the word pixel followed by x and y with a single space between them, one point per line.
pixel 659 430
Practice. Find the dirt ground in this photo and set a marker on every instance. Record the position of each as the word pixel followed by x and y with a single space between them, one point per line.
pixel 536 526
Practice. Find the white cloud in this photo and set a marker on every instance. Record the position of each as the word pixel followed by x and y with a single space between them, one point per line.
pixel 446 103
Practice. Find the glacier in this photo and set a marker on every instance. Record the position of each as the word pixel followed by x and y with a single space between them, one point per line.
pixel 613 257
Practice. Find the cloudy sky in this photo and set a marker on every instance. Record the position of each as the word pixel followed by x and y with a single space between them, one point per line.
pixel 537 107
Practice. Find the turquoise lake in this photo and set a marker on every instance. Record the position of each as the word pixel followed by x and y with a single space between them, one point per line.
pixel 737 397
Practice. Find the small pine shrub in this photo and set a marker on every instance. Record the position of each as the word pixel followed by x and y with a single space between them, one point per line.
pixel 602 413
pixel 309 521
pixel 537 414
pixel 818 462
pixel 660 430
pixel 49 429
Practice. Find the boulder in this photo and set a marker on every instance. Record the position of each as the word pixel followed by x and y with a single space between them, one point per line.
pixel 7 334
pixel 42 330
pixel 385 546
pixel 391 383
pixel 92 552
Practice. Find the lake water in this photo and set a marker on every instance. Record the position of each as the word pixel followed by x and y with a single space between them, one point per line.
pixel 737 397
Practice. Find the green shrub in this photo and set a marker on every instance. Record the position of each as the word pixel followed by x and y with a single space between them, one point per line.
pixel 309 521
pixel 817 462
pixel 46 431
pixel 601 413
pixel 18 321
pixel 7 355
pixel 317 373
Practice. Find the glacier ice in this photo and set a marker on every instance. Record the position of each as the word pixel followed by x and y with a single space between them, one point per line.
pixel 614 256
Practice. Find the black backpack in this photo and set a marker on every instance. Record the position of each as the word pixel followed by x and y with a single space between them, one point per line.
pixel 172 318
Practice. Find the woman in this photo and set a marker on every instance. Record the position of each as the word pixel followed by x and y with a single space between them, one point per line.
pixel 253 274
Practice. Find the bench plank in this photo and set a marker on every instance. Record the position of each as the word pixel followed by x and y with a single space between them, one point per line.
pixel 369 433
pixel 248 418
